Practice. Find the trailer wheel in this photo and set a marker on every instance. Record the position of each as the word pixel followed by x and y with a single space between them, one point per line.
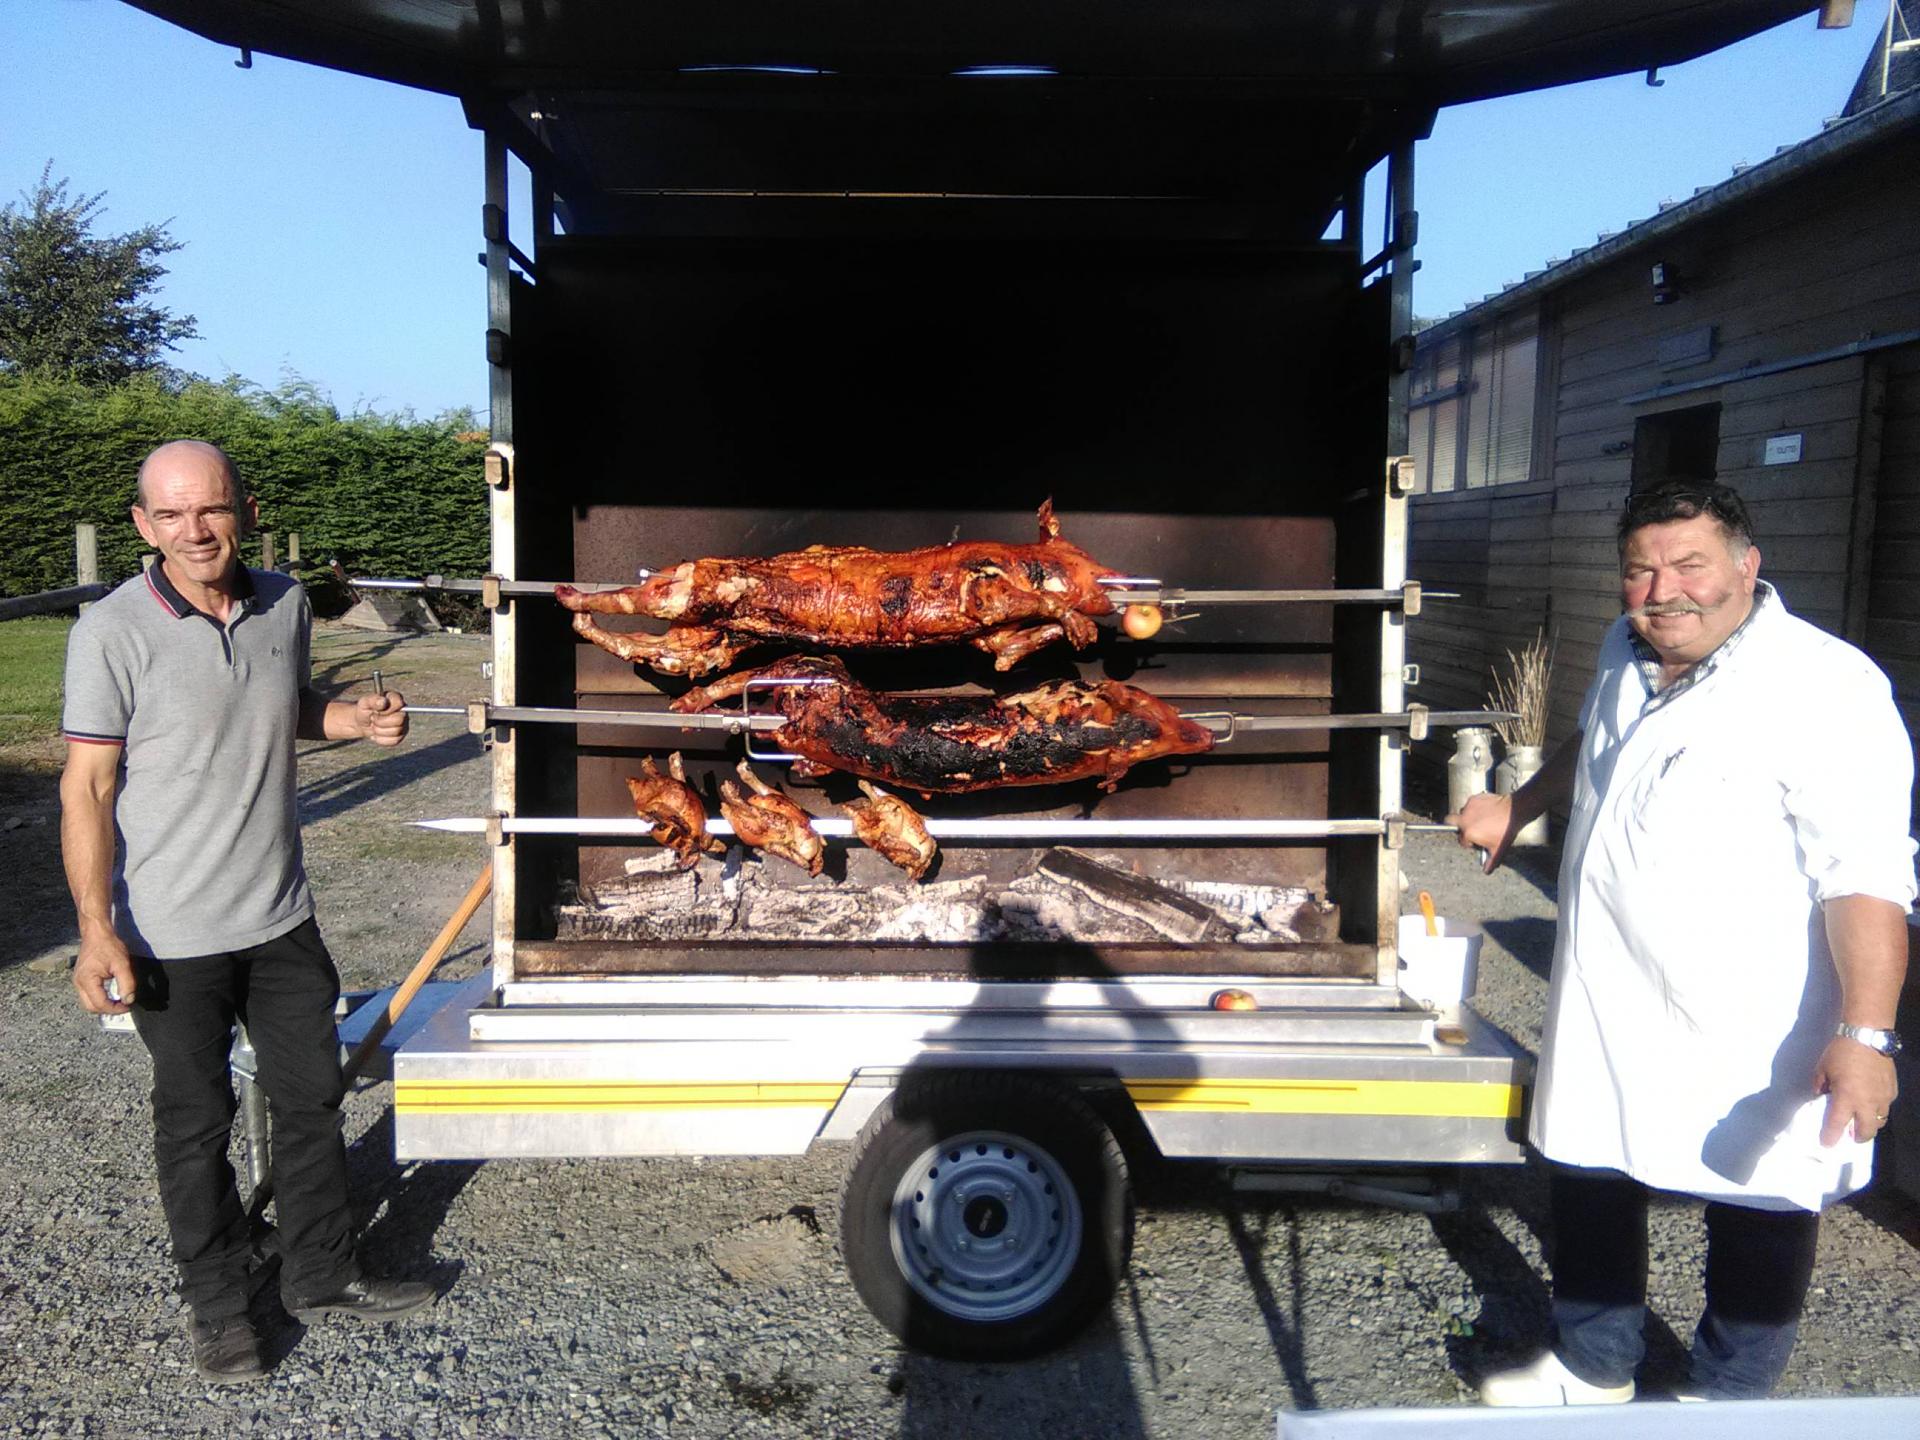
pixel 985 1215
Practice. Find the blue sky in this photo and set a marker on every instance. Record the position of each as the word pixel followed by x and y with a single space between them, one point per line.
pixel 332 222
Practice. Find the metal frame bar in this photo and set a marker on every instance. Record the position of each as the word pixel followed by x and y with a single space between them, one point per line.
pixel 501 504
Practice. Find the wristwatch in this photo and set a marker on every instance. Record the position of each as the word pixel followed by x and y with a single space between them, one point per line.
pixel 1887 1042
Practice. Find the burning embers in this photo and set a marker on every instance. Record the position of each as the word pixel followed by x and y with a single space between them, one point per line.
pixel 1064 896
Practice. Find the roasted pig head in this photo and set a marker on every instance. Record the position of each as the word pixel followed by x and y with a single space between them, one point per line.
pixel 767 820
pixel 892 829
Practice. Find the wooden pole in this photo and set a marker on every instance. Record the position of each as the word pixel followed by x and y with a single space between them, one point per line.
pixel 266 549
pixel 86 555
pixel 263 1190
pixel 429 961
pixel 293 549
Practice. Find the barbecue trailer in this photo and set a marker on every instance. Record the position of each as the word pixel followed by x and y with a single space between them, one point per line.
pixel 806 275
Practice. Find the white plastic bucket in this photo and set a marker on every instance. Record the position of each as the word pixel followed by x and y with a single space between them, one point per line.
pixel 1440 971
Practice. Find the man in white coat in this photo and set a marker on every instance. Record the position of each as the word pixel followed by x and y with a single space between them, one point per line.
pixel 1731 948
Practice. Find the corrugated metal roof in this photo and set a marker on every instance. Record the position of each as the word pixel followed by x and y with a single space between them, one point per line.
pixel 1840 137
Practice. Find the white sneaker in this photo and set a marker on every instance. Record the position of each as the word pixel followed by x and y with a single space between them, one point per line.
pixel 1548 1382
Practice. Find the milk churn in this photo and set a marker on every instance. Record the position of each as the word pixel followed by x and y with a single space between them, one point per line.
pixel 1467 770
pixel 1522 763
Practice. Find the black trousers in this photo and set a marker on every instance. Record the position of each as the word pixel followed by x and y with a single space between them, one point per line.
pixel 284 993
pixel 1759 1264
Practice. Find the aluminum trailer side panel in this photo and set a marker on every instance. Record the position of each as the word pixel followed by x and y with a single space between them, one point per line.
pixel 487 1082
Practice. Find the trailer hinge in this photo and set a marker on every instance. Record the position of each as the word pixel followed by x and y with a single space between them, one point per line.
pixel 477 717
pixel 1417 722
pixel 1401 476
pixel 499 465
pixel 1410 598
pixel 1393 831
pixel 496 347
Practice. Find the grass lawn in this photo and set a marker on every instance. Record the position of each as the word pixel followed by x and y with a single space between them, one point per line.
pixel 33 653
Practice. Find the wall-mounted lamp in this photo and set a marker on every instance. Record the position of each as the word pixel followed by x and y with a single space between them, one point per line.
pixel 1666 283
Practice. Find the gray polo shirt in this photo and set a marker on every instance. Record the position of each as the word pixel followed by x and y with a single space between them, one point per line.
pixel 207 832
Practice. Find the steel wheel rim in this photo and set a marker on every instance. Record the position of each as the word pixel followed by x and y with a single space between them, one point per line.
pixel 985 1226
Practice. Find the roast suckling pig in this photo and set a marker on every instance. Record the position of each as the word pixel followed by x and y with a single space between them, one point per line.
pixel 893 830
pixel 1009 600
pixel 1066 730
pixel 767 820
pixel 679 818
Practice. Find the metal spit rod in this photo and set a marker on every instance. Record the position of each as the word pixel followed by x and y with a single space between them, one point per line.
pixel 1225 723
pixel 834 828
pixel 1134 589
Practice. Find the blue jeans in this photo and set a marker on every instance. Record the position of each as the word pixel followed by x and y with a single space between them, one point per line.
pixel 1759 1264
pixel 283 992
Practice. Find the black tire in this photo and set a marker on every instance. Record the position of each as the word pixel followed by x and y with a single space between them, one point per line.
pixel 1034 1268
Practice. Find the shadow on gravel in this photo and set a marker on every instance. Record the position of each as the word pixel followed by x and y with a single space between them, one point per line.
pixel 1085 1390
pixel 360 662
pixel 1286 1324
pixel 1515 1320
pixel 1892 1213
pixel 1528 938
pixel 384 772
pixel 400 1207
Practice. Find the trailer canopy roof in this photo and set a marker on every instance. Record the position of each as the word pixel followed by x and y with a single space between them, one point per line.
pixel 1281 101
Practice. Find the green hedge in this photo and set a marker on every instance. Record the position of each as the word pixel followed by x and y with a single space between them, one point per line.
pixel 386 495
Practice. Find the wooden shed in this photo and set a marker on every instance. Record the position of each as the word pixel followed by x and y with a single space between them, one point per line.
pixel 1764 332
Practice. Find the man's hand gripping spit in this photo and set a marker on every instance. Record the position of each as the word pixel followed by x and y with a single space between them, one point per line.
pixel 382 718
pixel 1489 822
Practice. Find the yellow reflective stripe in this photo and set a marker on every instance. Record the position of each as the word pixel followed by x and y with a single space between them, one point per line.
pixel 481 1097
pixel 1460 1098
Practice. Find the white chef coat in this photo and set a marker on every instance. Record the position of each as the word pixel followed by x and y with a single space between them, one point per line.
pixel 1693 990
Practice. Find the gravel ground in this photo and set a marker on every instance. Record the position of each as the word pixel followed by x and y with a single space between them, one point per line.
pixel 707 1298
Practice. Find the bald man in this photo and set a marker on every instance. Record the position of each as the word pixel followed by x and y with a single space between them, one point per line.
pixel 185 691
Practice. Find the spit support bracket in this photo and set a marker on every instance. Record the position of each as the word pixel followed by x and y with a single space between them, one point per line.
pixel 498 463
pixel 477 722
pixel 496 830
pixel 1402 476
pixel 1393 830
pixel 1410 598
pixel 749 715
pixel 1417 716
pixel 490 591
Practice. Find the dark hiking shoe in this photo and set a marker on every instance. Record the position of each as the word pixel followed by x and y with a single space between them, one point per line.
pixel 366 1299
pixel 226 1352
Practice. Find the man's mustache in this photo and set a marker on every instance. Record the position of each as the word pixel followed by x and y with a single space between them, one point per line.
pixel 1666 607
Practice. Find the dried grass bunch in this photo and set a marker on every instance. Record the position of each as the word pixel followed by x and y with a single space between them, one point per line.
pixel 1523 690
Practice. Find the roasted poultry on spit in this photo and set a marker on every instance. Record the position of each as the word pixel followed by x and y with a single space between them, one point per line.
pixel 1008 600
pixel 893 830
pixel 767 820
pixel 1066 730
pixel 679 818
